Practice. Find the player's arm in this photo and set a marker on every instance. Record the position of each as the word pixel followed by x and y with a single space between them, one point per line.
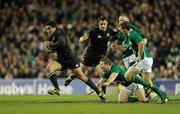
pixel 141 44
pixel 100 83
pixel 113 35
pixel 121 47
pixel 140 49
pixel 111 78
pixel 111 45
pixel 84 38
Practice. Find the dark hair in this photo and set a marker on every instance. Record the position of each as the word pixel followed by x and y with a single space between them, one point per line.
pixel 51 23
pixel 102 18
pixel 125 25
pixel 106 61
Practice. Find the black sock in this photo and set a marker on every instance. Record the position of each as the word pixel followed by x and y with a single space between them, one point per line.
pixel 53 79
pixel 92 85
pixel 103 89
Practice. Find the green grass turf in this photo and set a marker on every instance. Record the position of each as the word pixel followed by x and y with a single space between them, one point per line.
pixel 82 104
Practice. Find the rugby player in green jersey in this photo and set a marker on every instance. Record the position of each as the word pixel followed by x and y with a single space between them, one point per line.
pixel 144 60
pixel 128 54
pixel 117 73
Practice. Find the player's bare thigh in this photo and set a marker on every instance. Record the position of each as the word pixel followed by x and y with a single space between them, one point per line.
pixel 53 66
pixel 78 72
pixel 147 77
pixel 131 72
pixel 83 67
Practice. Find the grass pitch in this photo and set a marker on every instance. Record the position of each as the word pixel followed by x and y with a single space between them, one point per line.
pixel 82 104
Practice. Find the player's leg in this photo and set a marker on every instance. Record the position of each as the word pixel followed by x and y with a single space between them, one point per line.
pixel 99 86
pixel 147 71
pixel 99 72
pixel 78 72
pixel 146 66
pixel 140 93
pixel 150 87
pixel 51 69
pixel 123 95
pixel 131 72
pixel 131 75
pixel 72 76
pixel 163 97
pixel 147 77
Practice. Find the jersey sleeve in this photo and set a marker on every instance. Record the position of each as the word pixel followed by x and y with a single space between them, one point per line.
pixel 91 34
pixel 136 37
pixel 119 36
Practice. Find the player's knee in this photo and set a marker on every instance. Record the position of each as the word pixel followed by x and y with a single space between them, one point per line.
pixel 82 77
pixel 49 71
pixel 52 67
pixel 83 68
pixel 128 76
pixel 78 72
pixel 147 79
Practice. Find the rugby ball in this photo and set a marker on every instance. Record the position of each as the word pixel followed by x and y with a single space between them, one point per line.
pixel 44 48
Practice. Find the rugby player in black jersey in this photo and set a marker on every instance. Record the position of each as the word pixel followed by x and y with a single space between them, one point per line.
pixel 65 59
pixel 98 38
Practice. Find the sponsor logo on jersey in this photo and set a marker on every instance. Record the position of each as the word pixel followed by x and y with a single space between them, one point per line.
pixel 99 36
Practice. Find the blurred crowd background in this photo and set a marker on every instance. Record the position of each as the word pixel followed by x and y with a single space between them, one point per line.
pixel 22 22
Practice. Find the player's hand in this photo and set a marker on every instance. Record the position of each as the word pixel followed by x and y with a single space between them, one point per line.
pixel 46 43
pixel 83 38
pixel 113 46
pixel 124 47
pixel 44 47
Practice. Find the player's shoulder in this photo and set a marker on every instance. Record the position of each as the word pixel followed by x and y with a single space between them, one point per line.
pixel 115 67
pixel 59 31
pixel 134 33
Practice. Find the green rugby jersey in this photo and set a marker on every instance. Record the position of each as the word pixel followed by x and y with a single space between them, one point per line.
pixel 121 37
pixel 138 30
pixel 132 40
pixel 120 78
pixel 123 41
